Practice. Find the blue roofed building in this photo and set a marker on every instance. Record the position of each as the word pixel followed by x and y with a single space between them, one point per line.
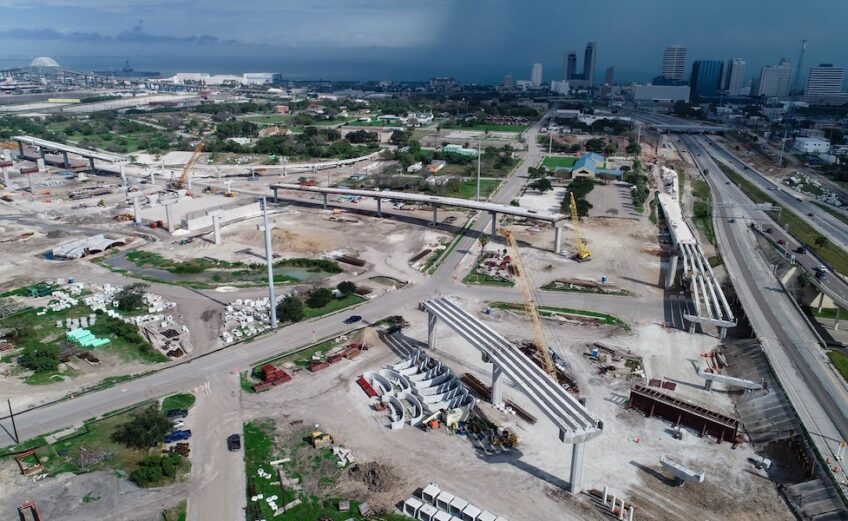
pixel 590 165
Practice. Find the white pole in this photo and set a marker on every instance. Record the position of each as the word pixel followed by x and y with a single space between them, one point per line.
pixel 269 260
pixel 478 169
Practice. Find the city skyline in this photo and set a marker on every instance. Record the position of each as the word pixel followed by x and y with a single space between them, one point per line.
pixel 360 41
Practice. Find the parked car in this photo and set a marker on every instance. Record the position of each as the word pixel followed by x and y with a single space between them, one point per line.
pixel 179 424
pixel 176 413
pixel 233 442
pixel 171 437
pixel 352 319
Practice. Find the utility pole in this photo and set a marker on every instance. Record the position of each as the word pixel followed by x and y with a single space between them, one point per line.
pixel 269 260
pixel 12 416
pixel 478 169
pixel 782 147
pixel 550 141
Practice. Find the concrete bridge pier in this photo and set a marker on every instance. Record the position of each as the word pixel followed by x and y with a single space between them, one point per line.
pixel 431 330
pixel 722 332
pixel 152 177
pixel 836 321
pixel 6 179
pixel 275 196
pixel 672 271
pixel 494 216
pixel 325 201
pixel 42 153
pixel 20 150
pixel 67 163
pixel 216 225
pixel 379 207
pixel 136 210
pixel 92 168
pixel 557 239
pixel 497 384
pixel 169 216
pixel 435 218
pixel 578 455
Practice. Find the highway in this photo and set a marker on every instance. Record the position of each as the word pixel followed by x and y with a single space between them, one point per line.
pixel 238 358
pixel 815 390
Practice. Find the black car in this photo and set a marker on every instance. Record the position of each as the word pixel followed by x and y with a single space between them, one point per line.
pixel 800 249
pixel 352 319
pixel 176 413
pixel 233 442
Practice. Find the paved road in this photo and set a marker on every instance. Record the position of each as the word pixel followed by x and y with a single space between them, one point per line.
pixel 816 392
pixel 185 376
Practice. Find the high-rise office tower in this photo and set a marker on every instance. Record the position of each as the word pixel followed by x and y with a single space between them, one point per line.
pixel 674 62
pixel 609 75
pixel 705 81
pixel 536 75
pixel 589 63
pixel 734 76
pixel 569 65
pixel 508 83
pixel 824 80
pixel 774 81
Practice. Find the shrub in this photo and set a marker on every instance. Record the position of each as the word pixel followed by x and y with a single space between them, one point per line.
pixel 154 470
pixel 290 309
pixel 41 358
pixel 146 429
pixel 346 288
pixel 131 297
pixel 319 298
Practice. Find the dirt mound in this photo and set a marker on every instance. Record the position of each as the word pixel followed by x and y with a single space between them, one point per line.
pixel 376 476
pixel 57 234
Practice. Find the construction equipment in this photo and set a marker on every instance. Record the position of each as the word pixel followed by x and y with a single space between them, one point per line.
pixel 187 170
pixel 583 253
pixel 521 276
pixel 321 439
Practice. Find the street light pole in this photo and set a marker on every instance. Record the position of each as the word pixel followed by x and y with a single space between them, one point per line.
pixel 478 169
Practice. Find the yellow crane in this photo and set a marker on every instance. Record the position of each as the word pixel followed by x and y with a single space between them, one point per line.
pixel 583 253
pixel 187 170
pixel 522 278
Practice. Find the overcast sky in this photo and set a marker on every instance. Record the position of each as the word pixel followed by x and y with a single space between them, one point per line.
pixel 473 40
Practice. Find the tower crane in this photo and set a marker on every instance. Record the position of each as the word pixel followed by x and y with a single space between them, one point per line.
pixel 187 170
pixel 522 278
pixel 583 253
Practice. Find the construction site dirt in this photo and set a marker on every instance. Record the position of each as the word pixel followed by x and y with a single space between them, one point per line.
pixel 626 457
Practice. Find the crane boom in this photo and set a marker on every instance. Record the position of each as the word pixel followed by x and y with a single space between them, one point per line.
pixel 187 170
pixel 583 253
pixel 530 305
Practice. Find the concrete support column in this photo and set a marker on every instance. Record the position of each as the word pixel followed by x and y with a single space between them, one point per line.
pixel 672 271
pixel 431 330
pixel 614 501
pixel 152 177
pixel 497 384
pixel 722 332
pixel 67 163
pixel 692 328
pixel 20 150
pixel 621 510
pixel 708 385
pixel 216 226
pixel 41 151
pixel 557 239
pixel 494 224
pixel 91 167
pixel 630 514
pixel 836 322
pixel 821 301
pixel 606 493
pixel 435 219
pixel 123 172
pixel 578 454
pixel 275 196
pixel 379 207
pixel 136 210
pixel 325 201
pixel 169 216
pixel 6 178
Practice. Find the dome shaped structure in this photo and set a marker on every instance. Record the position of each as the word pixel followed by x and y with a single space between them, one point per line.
pixel 44 61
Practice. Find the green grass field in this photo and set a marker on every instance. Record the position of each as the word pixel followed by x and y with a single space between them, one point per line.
pixel 832 211
pixel 334 305
pixel 840 361
pixel 554 162
pixel 474 277
pixel 178 401
pixel 547 311
pixel 178 513
pixel 468 188
pixel 832 254
pixel 270 119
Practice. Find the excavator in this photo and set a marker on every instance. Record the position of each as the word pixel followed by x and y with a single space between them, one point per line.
pixel 521 278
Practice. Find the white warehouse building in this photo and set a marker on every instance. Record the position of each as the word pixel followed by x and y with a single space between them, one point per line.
pixel 811 145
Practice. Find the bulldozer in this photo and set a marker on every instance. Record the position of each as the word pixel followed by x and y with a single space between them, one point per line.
pixel 321 439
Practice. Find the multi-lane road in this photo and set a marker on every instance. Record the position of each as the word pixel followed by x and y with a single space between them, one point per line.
pixel 815 390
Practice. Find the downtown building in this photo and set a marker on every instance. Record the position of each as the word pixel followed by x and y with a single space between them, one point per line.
pixel 585 79
pixel 824 84
pixel 734 77
pixel 705 80
pixel 774 81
